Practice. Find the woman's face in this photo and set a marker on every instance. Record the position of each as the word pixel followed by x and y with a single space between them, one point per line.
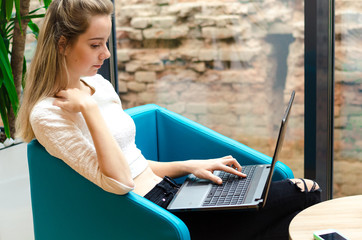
pixel 86 55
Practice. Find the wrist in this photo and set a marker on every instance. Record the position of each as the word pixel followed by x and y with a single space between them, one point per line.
pixel 186 166
pixel 88 106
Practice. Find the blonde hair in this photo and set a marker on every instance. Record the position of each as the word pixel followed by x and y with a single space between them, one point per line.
pixel 64 19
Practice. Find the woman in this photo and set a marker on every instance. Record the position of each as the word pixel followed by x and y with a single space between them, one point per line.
pixel 76 115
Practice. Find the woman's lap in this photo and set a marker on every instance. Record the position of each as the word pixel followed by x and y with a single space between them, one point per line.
pixel 285 200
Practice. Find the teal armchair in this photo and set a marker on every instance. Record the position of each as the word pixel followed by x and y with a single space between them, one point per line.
pixel 67 206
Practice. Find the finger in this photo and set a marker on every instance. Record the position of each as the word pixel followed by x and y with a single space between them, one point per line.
pixel 210 176
pixel 61 94
pixel 228 157
pixel 232 162
pixel 58 102
pixel 232 170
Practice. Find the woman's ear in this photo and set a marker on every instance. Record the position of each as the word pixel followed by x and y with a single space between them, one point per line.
pixel 62 45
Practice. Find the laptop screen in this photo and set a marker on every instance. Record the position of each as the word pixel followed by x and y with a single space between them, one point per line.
pixel 278 147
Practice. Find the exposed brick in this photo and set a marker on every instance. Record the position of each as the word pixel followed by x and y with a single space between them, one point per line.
pixel 136 86
pixel 143 76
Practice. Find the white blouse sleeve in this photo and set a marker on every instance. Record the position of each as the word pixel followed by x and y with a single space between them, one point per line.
pixel 58 132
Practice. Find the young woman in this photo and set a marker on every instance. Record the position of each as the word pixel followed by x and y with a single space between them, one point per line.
pixel 77 116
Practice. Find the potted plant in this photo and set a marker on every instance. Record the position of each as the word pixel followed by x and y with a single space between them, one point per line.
pixel 14 20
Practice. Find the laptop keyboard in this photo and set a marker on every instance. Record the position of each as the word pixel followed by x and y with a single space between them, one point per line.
pixel 233 189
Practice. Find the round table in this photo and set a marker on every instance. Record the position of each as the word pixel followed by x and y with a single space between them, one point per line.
pixel 342 214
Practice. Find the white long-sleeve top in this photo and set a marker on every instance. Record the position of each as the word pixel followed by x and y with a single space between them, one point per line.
pixel 66 136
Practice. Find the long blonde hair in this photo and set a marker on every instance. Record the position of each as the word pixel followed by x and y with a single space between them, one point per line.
pixel 64 18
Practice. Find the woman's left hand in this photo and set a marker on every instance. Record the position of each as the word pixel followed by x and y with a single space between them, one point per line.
pixel 205 168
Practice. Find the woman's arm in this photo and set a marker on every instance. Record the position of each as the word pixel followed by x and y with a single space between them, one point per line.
pixel 111 160
pixel 200 168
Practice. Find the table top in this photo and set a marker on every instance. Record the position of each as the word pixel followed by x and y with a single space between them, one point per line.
pixel 342 214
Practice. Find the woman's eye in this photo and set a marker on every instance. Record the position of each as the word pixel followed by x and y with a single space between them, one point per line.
pixel 95 46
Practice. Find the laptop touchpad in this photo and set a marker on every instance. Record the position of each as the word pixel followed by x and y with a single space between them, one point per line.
pixel 192 195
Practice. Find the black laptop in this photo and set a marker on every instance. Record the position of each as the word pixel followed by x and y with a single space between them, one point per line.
pixel 251 192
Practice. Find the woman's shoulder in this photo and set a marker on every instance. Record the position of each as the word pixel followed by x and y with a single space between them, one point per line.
pixel 44 108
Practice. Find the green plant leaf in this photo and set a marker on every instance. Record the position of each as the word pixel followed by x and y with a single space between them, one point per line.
pixel 47 3
pixel 4 69
pixel 9 8
pixel 24 72
pixel 8 81
pixel 29 16
pixel 9 28
pixel 6 43
pixel 3 113
pixel 35 10
pixel 34 28
pixel 4 60
pixel 33 16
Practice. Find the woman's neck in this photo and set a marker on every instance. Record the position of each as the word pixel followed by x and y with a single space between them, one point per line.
pixel 74 82
pixel 77 82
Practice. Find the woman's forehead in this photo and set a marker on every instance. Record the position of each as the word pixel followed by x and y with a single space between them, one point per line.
pixel 99 28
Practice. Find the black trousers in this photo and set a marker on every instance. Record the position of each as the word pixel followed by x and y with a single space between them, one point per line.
pixel 285 200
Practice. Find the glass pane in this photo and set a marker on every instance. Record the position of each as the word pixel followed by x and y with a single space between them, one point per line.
pixel 348 99
pixel 229 65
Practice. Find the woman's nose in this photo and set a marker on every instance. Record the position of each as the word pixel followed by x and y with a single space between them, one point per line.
pixel 105 54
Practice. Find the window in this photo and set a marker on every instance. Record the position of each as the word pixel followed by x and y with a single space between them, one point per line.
pixel 348 99
pixel 229 65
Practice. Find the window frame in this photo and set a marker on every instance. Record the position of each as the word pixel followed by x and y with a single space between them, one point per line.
pixel 319 93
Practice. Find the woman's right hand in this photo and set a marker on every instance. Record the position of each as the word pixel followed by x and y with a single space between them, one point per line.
pixel 73 100
pixel 200 168
pixel 204 168
pixel 111 160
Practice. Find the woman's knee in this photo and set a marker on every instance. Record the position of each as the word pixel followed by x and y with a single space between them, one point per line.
pixel 304 184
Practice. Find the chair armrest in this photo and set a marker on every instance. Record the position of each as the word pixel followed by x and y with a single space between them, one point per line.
pixel 68 206
pixel 160 219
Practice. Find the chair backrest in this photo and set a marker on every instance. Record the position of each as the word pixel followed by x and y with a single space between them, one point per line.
pixel 145 118
pixel 67 206
pixel 179 138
